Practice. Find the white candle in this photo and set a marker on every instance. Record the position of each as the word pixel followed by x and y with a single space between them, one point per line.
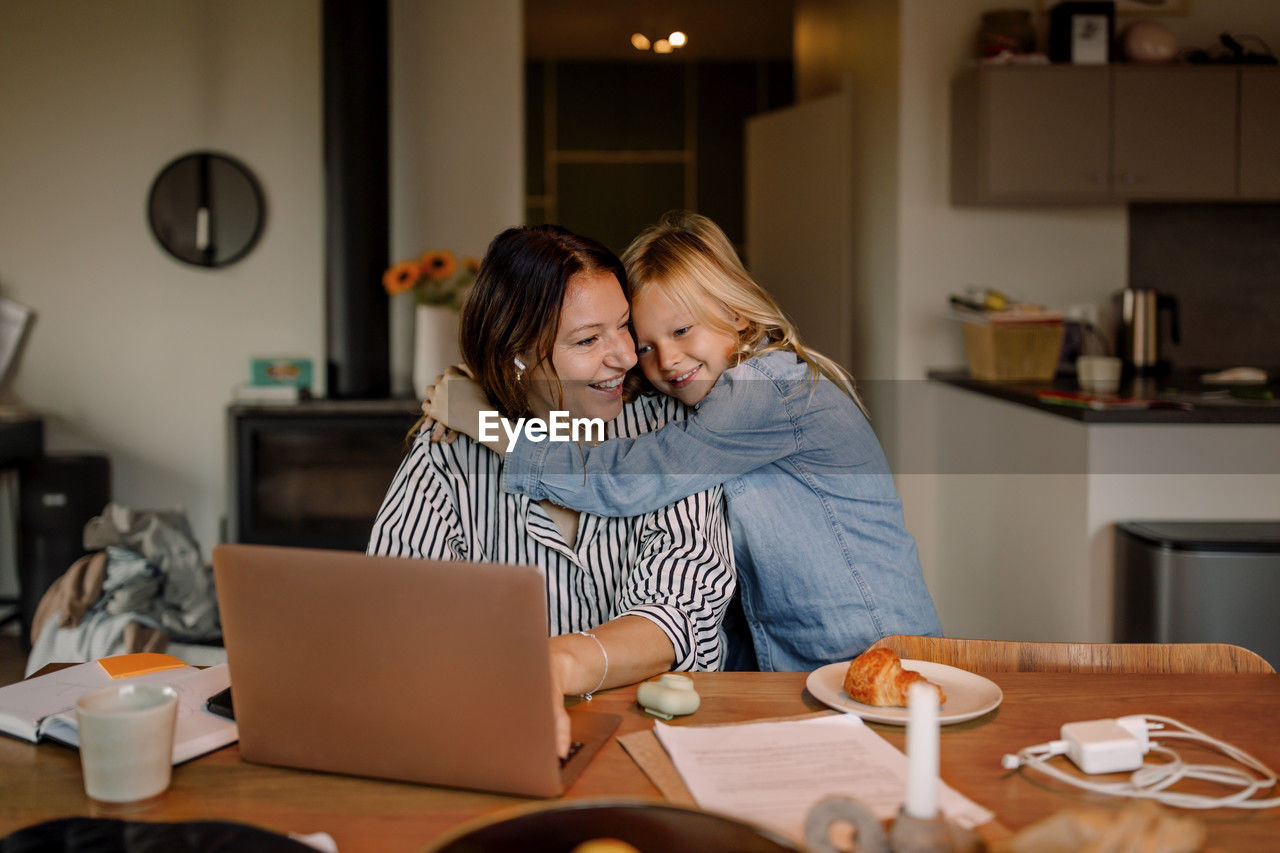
pixel 922 751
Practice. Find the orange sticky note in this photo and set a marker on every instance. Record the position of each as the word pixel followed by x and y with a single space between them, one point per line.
pixel 140 663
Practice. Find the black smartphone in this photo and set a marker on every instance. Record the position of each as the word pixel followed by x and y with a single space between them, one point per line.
pixel 220 704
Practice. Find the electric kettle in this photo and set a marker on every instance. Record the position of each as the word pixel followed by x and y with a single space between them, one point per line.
pixel 1138 337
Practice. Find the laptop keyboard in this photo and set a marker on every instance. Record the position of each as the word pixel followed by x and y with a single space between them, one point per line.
pixel 573 750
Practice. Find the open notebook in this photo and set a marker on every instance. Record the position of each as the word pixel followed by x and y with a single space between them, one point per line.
pixel 419 670
pixel 44 707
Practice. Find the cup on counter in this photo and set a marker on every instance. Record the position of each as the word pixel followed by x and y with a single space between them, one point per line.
pixel 1098 374
pixel 126 741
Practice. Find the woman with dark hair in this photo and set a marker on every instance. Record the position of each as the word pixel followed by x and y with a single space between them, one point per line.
pixel 545 328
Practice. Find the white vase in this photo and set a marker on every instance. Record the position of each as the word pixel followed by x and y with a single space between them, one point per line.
pixel 435 344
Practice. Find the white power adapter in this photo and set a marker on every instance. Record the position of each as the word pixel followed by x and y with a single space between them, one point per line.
pixel 1107 746
pixel 1119 745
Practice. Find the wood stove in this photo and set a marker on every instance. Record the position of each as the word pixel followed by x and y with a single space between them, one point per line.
pixel 313 474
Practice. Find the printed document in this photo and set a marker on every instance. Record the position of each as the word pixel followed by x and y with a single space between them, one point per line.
pixel 772 773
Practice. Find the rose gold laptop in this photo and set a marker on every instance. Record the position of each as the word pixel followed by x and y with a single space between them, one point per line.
pixel 395 668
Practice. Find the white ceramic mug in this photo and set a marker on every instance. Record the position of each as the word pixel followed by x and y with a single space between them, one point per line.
pixel 126 741
pixel 1098 374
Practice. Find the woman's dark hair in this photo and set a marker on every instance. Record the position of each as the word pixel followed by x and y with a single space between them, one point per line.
pixel 513 309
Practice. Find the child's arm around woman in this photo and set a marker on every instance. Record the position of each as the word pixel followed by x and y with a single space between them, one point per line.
pixel 760 412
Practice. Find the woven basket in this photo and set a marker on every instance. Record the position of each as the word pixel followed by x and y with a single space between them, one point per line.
pixel 1013 351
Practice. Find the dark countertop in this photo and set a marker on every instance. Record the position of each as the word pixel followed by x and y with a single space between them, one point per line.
pixel 1179 398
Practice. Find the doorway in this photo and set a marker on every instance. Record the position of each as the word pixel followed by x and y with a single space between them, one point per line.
pixel 615 137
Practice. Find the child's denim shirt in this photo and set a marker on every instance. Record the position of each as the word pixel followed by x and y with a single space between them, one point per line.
pixel 826 566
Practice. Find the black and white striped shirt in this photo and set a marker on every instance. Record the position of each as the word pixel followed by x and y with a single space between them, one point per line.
pixel 673 566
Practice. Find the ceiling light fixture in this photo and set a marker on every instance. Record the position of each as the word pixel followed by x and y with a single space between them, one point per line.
pixel 663 45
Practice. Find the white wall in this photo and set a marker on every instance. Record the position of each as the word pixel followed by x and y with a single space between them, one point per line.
pixel 457 135
pixel 134 354
pixel 853 47
pixel 799 212
pixel 1056 256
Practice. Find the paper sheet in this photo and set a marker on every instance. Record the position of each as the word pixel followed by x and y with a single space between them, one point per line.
pixel 772 773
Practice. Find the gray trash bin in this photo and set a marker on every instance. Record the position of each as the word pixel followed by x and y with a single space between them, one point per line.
pixel 1199 582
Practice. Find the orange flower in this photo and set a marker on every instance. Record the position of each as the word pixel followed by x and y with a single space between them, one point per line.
pixel 401 277
pixel 438 263
pixel 471 265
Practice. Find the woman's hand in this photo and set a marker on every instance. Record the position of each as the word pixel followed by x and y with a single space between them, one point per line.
pixel 563 666
pixel 440 431
pixel 454 403
pixel 623 651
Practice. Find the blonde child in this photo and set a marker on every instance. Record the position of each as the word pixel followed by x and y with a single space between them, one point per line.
pixel 826 566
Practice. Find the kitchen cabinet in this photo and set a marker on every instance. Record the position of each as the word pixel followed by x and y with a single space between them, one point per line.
pixel 1260 133
pixel 1063 134
pixel 1031 134
pixel 1174 133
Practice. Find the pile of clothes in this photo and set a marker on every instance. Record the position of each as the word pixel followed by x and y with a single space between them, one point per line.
pixel 144 588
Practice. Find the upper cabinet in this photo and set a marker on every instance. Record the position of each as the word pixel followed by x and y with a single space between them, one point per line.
pixel 1064 134
pixel 1173 132
pixel 1260 133
pixel 1024 135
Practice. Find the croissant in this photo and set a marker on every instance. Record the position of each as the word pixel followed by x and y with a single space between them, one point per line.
pixel 876 677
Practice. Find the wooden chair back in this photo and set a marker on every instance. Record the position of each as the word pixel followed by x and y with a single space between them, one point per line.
pixel 1021 656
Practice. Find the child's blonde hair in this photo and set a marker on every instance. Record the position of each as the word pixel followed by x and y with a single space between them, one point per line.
pixel 689 257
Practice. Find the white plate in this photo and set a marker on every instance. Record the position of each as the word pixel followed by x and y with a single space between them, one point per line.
pixel 968 695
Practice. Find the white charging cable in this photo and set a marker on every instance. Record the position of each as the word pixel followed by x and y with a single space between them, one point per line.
pixel 1110 746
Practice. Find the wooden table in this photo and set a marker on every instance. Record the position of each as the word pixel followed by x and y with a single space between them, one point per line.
pixel 41 782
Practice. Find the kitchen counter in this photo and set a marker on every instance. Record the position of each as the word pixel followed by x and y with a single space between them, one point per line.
pixel 1180 398
pixel 1027 495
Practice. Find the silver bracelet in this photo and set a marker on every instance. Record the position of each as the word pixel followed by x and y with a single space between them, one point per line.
pixel 596 689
